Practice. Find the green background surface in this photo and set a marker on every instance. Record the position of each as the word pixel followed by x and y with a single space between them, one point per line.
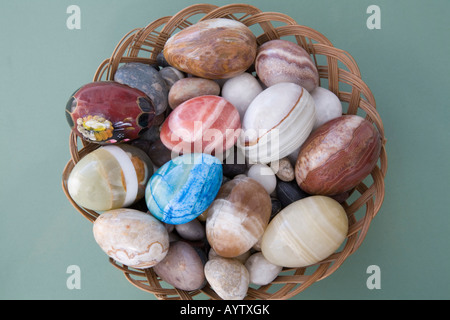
pixel 405 64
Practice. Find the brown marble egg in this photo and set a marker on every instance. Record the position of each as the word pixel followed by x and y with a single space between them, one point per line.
pixel 338 156
pixel 238 217
pixel 285 61
pixel 212 49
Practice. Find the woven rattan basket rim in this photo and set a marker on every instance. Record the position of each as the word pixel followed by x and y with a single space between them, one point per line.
pixel 144 44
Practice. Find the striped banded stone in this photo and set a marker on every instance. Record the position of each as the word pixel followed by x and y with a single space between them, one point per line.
pixel 338 156
pixel 285 61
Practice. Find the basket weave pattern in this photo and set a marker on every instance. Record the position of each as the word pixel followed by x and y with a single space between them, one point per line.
pixel 337 70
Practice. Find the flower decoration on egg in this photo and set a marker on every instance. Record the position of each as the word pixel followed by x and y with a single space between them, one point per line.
pixel 95 128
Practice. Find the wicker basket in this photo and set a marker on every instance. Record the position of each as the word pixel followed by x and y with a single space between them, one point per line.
pixel 338 72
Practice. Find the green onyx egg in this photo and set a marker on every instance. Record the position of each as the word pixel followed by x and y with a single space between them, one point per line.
pixel 110 177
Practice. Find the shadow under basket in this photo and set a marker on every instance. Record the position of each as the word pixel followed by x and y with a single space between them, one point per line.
pixel 337 71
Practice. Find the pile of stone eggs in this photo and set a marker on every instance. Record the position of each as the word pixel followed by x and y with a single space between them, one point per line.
pixel 222 164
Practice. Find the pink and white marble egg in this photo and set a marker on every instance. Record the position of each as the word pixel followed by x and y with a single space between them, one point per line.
pixel 205 124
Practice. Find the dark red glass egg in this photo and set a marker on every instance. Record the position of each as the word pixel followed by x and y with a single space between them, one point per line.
pixel 107 112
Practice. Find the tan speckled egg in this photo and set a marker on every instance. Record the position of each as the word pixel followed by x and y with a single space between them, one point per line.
pixel 238 217
pixel 305 232
pixel 131 237
pixel 228 278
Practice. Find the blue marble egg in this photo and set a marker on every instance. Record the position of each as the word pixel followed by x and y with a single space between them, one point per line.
pixel 147 79
pixel 184 187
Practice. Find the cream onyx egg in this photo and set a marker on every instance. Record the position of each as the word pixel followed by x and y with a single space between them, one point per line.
pixel 305 232
pixel 110 177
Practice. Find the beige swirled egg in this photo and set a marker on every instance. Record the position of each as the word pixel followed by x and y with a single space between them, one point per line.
pixel 131 237
pixel 305 232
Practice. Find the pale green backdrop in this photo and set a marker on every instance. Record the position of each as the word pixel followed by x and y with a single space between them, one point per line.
pixel 405 63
